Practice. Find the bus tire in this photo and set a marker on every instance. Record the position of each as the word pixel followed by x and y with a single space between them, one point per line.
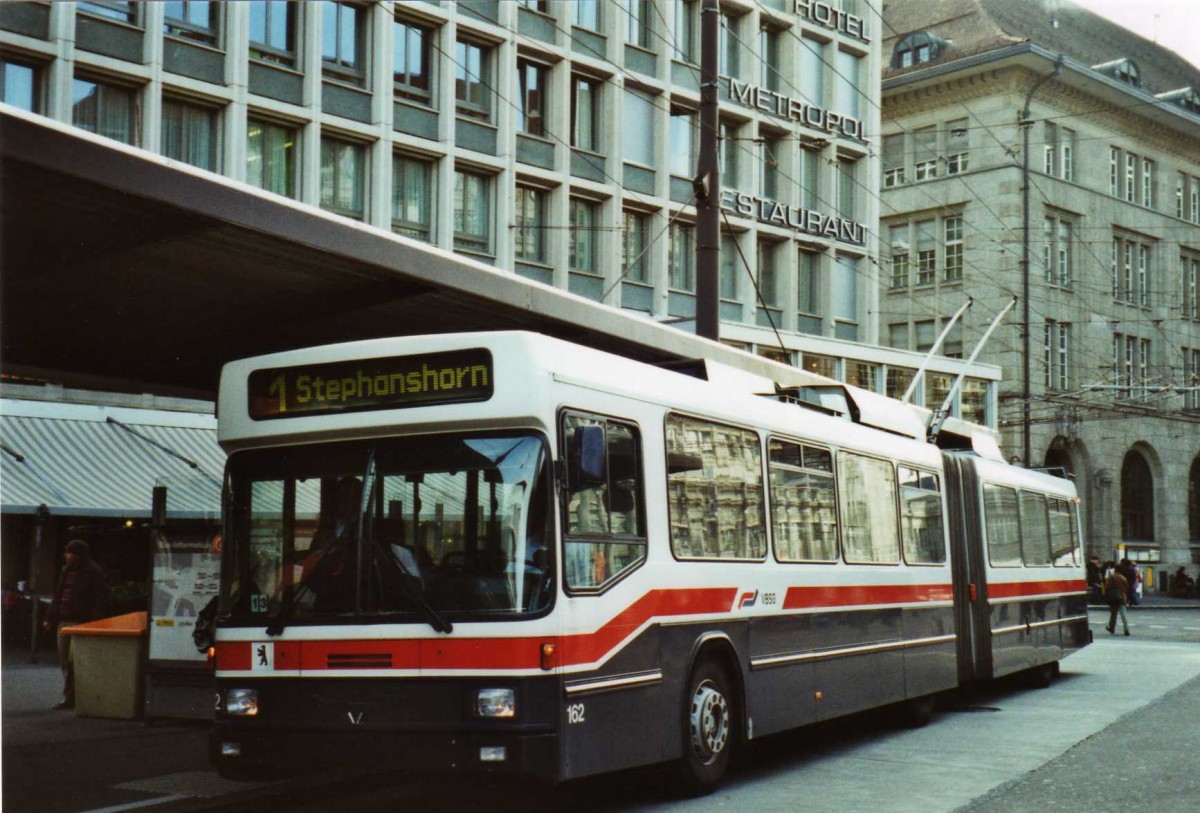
pixel 916 712
pixel 709 729
pixel 1040 677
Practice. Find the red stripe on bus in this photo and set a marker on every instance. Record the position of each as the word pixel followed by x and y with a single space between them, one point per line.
pixel 798 598
pixel 1015 589
pixel 525 652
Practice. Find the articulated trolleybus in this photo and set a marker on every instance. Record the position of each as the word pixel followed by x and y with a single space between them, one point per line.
pixel 504 552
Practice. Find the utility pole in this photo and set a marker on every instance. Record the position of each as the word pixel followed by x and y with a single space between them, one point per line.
pixel 707 183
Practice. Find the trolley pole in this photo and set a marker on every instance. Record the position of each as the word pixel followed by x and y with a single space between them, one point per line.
pixel 707 184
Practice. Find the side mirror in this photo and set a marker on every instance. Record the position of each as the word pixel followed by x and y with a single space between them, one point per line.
pixel 586 459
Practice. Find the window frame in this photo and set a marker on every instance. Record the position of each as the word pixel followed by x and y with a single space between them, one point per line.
pixel 526 196
pixel 921 472
pixel 292 155
pixel 464 107
pixel 987 527
pixel 412 228
pixel 468 242
pixel 771 464
pixel 102 88
pixel 184 28
pixel 362 153
pixel 531 119
pixel 641 538
pixel 594 143
pixel 841 469
pixel 576 205
pixel 264 51
pixel 403 87
pixel 337 69
pixel 214 134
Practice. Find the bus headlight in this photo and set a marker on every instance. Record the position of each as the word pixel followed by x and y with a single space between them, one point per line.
pixel 496 703
pixel 242 702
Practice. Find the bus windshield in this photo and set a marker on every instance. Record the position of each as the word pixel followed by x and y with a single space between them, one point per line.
pixel 413 529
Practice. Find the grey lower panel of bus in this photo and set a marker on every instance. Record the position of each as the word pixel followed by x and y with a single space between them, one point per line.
pixel 1029 633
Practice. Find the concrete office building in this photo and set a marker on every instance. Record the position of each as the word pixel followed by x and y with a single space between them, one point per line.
pixel 1106 380
pixel 556 140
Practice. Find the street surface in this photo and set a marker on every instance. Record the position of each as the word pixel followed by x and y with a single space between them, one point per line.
pixel 1116 732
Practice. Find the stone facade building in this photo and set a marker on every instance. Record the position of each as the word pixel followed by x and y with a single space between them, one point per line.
pixel 1035 150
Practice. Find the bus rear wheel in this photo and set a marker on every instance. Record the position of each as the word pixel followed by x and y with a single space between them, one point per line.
pixel 709 728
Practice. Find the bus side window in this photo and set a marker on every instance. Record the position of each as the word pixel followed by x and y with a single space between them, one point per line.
pixel 1003 526
pixel 605 534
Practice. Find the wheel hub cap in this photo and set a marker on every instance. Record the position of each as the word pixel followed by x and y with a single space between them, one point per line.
pixel 709 722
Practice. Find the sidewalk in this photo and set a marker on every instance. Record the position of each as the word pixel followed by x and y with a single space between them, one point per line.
pixel 1161 601
pixel 56 761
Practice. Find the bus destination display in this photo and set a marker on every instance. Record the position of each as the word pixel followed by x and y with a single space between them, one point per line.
pixel 395 382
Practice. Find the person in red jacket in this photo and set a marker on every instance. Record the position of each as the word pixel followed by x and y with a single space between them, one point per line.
pixel 81 596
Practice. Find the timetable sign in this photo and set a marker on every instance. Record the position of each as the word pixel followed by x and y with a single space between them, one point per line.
pixel 394 382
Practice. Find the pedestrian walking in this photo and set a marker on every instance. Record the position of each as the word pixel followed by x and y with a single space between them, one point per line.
pixel 81 596
pixel 1116 593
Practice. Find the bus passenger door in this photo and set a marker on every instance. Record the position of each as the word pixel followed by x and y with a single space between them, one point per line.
pixel 971 617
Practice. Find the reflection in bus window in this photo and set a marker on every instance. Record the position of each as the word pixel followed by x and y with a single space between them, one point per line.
pixel 868 499
pixel 605 535
pixel 1035 531
pixel 715 491
pixel 803 506
pixel 921 517
pixel 1003 523
pixel 1062 533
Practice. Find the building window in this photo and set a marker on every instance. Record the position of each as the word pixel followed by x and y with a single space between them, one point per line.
pixel 270 157
pixel 1137 498
pixel 957 156
pixel 1114 172
pixel 803 503
pixel 19 86
pixel 637 22
pixel 847 176
pixel 542 6
pixel 926 252
pixel 189 134
pixel 585 111
pixel 683 143
pixel 768 52
pixel 898 248
pixel 1057 250
pixel 731 264
pixel 808 288
pixel 1056 355
pixel 635 240
pixel 925 153
pixel 581 251
pixel 1180 189
pixel 122 12
pixel 343 40
pixel 1194 199
pixel 531 98
pixel 106 110
pixel 812 71
pixel 848 83
pixel 529 214
pixel 586 14
pixel 685 30
pixel 1143 276
pixel 728 156
pixel 917 48
pixel 845 298
pixel 472 212
pixel 1130 177
pixel 1066 154
pixel 273 31
pixel 343 176
pixel 809 177
pixel 730 47
pixel 412 196
pixel 772 151
pixel 472 76
pixel 1192 400
pixel 893 161
pixel 638 134
pixel 1131 271
pixel 193 20
pixel 1148 183
pixel 768 277
pixel 953 248
pixel 411 63
pixel 1189 274
pixel 681 257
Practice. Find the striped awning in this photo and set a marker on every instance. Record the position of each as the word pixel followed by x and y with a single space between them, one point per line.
pixel 97 461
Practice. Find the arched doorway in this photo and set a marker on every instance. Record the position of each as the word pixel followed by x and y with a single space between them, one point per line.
pixel 1058 457
pixel 1137 498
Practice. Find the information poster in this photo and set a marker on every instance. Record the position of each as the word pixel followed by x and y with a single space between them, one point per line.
pixel 187 567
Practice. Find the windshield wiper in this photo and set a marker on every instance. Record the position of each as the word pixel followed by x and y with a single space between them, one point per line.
pixel 409 581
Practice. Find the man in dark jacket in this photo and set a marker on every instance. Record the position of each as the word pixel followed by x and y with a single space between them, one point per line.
pixel 81 596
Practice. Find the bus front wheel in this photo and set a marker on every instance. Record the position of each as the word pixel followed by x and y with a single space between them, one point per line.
pixel 709 721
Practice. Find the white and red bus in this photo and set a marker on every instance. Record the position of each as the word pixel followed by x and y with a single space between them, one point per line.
pixel 505 552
